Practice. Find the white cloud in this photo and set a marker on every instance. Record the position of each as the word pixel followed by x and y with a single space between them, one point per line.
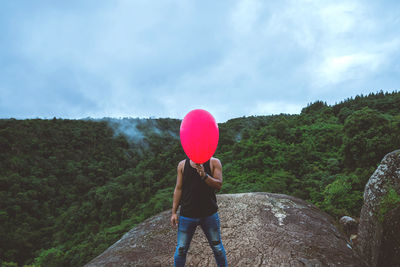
pixel 337 69
pixel 268 108
pixel 244 16
pixel 341 17
pixel 349 46
pixel 346 64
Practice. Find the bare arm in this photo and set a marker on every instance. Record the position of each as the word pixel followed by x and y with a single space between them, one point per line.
pixel 213 179
pixel 177 193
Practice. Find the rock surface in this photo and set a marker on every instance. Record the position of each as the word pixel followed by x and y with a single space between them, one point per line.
pixel 389 252
pixel 370 229
pixel 258 229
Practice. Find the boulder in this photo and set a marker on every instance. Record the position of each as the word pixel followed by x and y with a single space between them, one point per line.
pixel 389 252
pixel 371 230
pixel 257 229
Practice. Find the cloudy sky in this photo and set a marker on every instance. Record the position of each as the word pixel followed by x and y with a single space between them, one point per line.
pixel 77 59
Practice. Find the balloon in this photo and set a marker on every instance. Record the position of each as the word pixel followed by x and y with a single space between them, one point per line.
pixel 199 135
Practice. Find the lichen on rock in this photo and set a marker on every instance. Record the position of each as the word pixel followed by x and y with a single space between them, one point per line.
pixel 371 231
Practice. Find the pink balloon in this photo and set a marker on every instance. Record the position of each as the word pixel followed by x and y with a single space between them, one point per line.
pixel 199 135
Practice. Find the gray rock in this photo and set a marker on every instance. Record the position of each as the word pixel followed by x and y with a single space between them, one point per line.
pixel 347 220
pixel 258 229
pixel 370 229
pixel 389 252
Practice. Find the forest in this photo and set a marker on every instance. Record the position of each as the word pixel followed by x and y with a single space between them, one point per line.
pixel 69 189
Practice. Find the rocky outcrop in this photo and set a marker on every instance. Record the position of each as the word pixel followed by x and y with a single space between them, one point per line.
pixel 372 232
pixel 258 229
pixel 389 252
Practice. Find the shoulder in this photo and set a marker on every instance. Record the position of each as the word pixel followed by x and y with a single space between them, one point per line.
pixel 215 162
pixel 181 165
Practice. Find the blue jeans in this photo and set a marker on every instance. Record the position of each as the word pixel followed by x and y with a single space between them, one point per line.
pixel 211 228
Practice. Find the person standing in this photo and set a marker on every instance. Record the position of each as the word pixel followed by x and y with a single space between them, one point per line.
pixel 195 193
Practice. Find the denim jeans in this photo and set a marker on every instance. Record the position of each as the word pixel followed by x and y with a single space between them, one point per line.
pixel 211 228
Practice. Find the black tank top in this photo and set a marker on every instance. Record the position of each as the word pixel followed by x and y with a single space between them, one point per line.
pixel 197 199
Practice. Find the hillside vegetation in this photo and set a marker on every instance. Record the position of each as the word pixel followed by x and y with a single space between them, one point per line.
pixel 71 188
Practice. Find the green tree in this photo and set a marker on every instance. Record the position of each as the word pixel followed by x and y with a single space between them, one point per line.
pixel 340 197
pixel 53 257
pixel 367 138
